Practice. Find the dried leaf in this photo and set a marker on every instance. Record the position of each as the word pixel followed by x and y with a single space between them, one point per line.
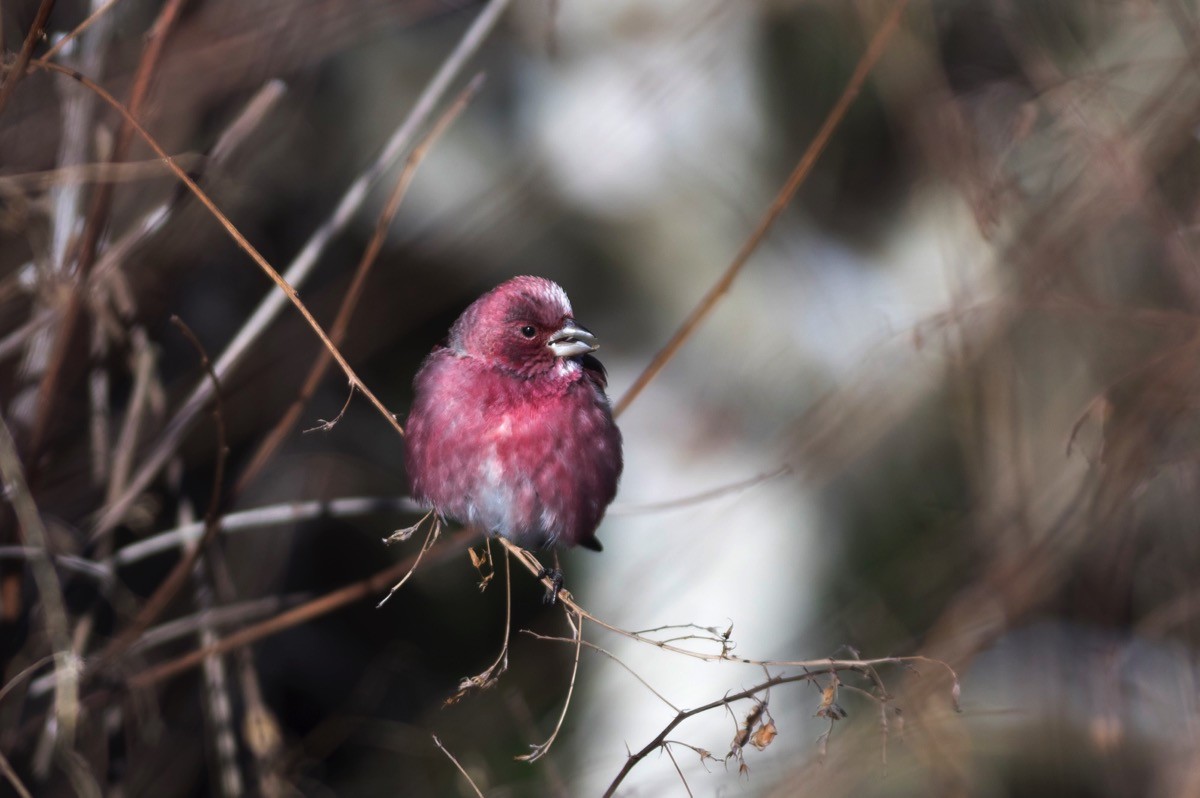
pixel 743 736
pixel 829 694
pixel 829 708
pixel 401 535
pixel 478 560
pixel 765 735
pixel 480 681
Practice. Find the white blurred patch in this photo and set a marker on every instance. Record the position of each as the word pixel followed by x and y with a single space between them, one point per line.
pixel 639 92
pixel 743 559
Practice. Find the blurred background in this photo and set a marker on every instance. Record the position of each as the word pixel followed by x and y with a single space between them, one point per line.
pixel 949 409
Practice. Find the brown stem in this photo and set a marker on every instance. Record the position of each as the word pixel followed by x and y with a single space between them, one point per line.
pixel 49 389
pixel 31 39
pixel 782 199
pixel 658 741
pixel 338 331
pixel 322 605
pixel 167 589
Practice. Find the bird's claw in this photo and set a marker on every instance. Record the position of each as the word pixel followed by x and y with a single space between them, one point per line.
pixel 556 583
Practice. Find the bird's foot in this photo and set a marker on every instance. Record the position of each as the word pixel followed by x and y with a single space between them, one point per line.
pixel 556 583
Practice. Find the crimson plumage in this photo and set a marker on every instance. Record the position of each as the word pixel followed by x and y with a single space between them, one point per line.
pixel 510 429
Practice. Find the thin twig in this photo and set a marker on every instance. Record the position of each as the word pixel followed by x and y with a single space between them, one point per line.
pixel 71 562
pixel 461 769
pixel 17 71
pixel 54 611
pixel 93 173
pixel 431 537
pixel 725 701
pixel 698 498
pixel 182 571
pixel 116 253
pixel 78 136
pixel 534 567
pixel 319 606
pixel 217 618
pixel 492 673
pixel 325 425
pixel 7 769
pixel 99 406
pixel 258 517
pixel 27 671
pixel 611 656
pixel 264 737
pixel 126 446
pixel 341 322
pixel 274 515
pixel 300 267
pixel 795 180
pixel 97 217
pixel 80 28
pixel 686 788
pixel 108 519
pixel 218 698
pixel 15 341
pixel 542 749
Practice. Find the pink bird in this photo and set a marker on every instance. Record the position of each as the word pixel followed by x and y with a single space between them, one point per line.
pixel 510 429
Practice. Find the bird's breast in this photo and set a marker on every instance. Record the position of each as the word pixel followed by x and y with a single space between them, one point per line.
pixel 535 463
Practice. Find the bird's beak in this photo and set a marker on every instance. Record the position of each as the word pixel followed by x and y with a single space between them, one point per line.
pixel 571 340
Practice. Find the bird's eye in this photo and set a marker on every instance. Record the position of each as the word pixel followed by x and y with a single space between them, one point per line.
pixel 528 331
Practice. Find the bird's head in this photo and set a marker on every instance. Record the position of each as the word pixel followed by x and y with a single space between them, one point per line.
pixel 525 326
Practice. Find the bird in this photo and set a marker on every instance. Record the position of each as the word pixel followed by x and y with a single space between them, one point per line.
pixel 510 429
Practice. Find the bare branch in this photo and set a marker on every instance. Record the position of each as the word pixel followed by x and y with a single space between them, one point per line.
pixel 461 769
pixel 865 64
pixel 116 253
pixel 17 70
pixel 303 263
pixel 127 172
pixel 342 321
pixel 434 530
pixel 699 498
pixel 111 516
pixel 98 212
pixel 7 769
pixel 661 739
pixel 542 749
pixel 54 611
pixel 182 571
pixel 611 656
pixel 686 788
pixel 24 674
pixel 80 28
pixel 319 606
pixel 270 515
pixel 492 673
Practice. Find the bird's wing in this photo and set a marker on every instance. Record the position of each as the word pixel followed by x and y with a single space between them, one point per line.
pixel 595 371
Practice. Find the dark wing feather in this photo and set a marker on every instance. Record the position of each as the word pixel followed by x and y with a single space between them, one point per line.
pixel 595 370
